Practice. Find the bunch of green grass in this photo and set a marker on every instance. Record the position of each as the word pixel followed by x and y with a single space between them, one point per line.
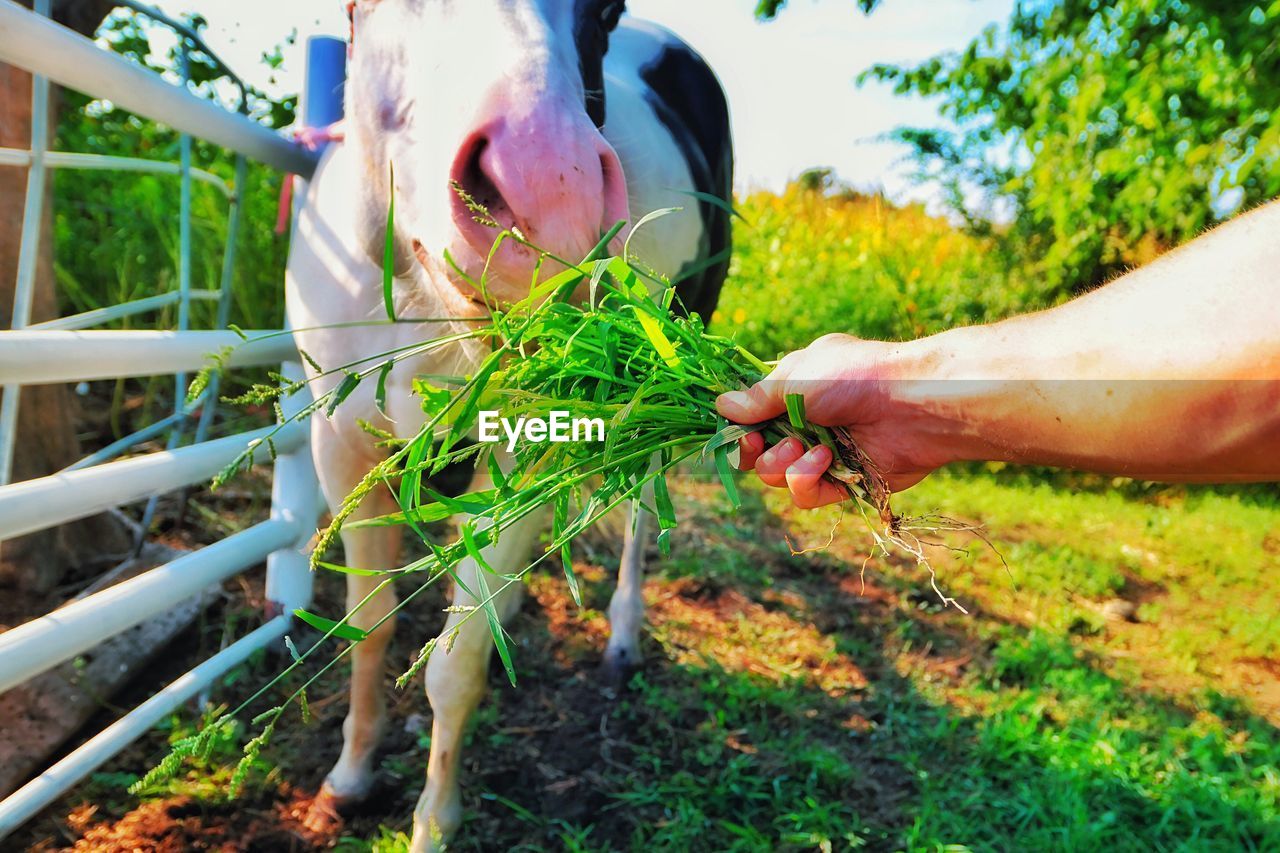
pixel 603 338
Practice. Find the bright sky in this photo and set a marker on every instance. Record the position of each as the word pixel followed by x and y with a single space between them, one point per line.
pixel 790 82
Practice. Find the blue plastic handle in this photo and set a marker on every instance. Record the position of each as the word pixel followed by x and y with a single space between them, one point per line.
pixel 326 80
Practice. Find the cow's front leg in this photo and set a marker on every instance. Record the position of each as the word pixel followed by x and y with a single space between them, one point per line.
pixel 626 608
pixel 456 679
pixel 351 778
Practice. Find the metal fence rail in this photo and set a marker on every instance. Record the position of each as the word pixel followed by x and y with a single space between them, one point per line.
pixel 35 357
pixel 49 785
pixel 57 351
pixel 50 50
pixel 57 499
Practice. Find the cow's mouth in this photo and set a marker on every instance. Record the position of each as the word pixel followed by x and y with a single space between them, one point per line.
pixel 540 202
pixel 457 282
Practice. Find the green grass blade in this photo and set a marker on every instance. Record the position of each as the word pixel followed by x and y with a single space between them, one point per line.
pixel 661 343
pixel 645 220
pixel 666 512
pixel 725 470
pixel 563 284
pixel 795 410
pixel 716 201
pixel 495 626
pixel 730 434
pixel 602 248
pixel 348 384
pixel 341 630
pixel 495 473
pixel 473 503
pixel 348 570
pixel 598 269
pixel 473 547
pixel 389 251
pixel 566 551
pixel 380 391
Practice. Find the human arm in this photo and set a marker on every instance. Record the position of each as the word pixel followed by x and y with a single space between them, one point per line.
pixel 1169 373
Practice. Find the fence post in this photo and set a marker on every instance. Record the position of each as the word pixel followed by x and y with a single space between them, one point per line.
pixel 295 490
pixel 295 497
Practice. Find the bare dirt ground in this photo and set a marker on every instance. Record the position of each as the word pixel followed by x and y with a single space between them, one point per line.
pixel 561 744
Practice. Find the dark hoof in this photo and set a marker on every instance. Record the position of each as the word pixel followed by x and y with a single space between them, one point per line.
pixel 617 668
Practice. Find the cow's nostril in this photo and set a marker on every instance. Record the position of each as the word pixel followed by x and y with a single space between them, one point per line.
pixel 472 179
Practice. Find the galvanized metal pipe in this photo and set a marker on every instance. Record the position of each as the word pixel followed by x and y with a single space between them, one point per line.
pixel 52 783
pixel 223 315
pixel 115 448
pixel 38 358
pixel 184 295
pixel 295 497
pixel 184 241
pixel 42 643
pixel 107 162
pixel 44 47
pixel 105 315
pixel 48 501
pixel 295 489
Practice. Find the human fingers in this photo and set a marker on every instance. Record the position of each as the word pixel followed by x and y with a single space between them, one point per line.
pixel 806 481
pixel 750 447
pixel 773 463
pixel 760 402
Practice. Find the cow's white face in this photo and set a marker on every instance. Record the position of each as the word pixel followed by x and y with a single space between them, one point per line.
pixel 503 97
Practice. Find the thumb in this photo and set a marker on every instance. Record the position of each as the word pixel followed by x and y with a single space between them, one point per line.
pixel 760 402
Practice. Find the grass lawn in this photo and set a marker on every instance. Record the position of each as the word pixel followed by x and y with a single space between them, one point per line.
pixel 800 702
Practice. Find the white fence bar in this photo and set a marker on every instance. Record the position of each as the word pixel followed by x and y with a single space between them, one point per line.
pixel 43 643
pixel 52 783
pixel 44 47
pixel 48 501
pixel 105 315
pixel 37 358
pixel 295 497
pixel 98 316
pixel 106 162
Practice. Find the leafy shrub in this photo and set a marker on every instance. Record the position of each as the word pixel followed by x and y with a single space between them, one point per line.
pixel 808 262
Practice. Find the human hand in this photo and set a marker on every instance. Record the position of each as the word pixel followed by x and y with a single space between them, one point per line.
pixel 863 386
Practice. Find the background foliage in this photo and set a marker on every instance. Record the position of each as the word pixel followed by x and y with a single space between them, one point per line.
pixel 117 232
pixel 820 257
pixel 1111 130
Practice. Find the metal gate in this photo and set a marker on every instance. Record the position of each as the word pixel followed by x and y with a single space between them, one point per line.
pixel 66 350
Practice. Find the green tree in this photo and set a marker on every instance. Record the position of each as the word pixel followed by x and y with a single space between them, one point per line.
pixel 769 9
pixel 1112 130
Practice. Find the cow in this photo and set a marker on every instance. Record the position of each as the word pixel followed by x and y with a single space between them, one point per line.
pixel 562 117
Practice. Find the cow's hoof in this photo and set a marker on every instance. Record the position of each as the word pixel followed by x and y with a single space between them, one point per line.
pixel 435 821
pixel 619 664
pixel 325 816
